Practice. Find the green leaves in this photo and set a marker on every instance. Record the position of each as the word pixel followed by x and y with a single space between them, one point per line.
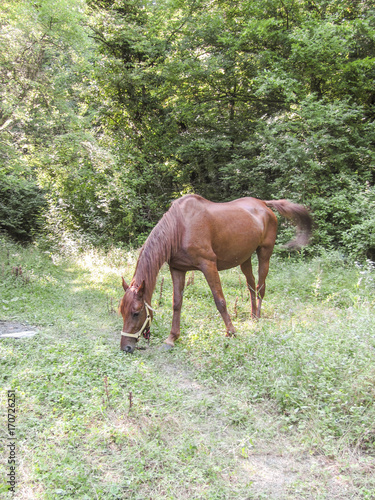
pixel 123 105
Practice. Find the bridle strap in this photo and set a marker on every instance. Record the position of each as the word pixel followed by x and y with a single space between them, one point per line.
pixel 147 322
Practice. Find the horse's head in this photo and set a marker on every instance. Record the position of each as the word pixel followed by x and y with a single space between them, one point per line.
pixel 136 314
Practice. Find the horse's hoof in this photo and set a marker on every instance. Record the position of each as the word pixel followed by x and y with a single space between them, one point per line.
pixel 165 347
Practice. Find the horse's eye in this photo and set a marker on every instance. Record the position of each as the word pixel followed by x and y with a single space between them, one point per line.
pixel 135 314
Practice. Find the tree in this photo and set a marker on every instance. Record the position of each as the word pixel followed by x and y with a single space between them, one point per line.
pixel 124 105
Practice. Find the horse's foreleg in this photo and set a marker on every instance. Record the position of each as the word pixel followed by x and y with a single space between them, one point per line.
pixel 178 279
pixel 211 274
pixel 247 269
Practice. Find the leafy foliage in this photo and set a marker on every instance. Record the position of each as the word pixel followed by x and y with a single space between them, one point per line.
pixel 125 105
pixel 21 206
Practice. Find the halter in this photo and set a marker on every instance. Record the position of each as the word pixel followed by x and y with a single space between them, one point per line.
pixel 145 329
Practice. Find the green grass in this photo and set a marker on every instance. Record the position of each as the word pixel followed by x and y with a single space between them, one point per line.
pixel 283 410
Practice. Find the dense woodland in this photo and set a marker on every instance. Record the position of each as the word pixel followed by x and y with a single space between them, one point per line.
pixel 110 109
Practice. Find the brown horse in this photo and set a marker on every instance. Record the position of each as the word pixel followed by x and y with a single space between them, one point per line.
pixel 198 234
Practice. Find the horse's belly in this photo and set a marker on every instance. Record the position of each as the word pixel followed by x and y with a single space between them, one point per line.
pixel 228 252
pixel 232 257
pixel 235 243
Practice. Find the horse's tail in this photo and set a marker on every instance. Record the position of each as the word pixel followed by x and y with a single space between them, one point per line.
pixel 300 216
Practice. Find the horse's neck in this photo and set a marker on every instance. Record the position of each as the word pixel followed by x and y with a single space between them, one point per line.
pixel 163 242
pixel 148 267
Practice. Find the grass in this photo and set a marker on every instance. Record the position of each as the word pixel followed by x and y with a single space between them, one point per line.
pixel 283 410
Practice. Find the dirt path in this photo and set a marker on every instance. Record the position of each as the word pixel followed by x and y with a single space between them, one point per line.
pixel 274 465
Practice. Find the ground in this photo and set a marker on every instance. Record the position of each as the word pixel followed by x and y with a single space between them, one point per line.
pixel 16 330
pixel 283 410
pixel 272 469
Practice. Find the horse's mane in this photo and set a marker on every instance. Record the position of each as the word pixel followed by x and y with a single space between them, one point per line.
pixel 163 241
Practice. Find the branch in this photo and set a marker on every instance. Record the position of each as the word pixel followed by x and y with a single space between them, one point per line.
pixel 6 124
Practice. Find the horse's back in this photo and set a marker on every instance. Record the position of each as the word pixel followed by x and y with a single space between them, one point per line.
pixel 231 231
pixel 248 210
pixel 198 205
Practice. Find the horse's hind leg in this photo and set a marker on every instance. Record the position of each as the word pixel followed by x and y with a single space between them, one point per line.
pixel 264 255
pixel 211 274
pixel 247 269
pixel 178 279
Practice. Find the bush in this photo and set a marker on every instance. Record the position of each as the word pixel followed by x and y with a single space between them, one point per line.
pixel 22 204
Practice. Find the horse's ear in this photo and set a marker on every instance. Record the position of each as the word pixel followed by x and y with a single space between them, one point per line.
pixel 125 286
pixel 141 289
